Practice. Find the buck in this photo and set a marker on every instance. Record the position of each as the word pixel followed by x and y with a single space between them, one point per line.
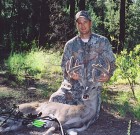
pixel 73 118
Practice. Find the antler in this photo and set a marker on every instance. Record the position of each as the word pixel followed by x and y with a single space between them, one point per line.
pixel 101 68
pixel 71 66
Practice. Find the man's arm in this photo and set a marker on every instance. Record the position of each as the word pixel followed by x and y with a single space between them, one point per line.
pixel 108 53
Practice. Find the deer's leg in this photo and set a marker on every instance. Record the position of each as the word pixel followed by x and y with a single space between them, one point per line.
pixel 63 95
pixel 72 132
pixel 58 97
pixel 52 127
pixel 98 106
pixel 50 131
pixel 29 107
pixel 10 125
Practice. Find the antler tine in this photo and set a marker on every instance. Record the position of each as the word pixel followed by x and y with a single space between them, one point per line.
pixel 71 62
pixel 77 62
pixel 93 75
pixel 67 66
pixel 101 68
pixel 108 64
pixel 71 67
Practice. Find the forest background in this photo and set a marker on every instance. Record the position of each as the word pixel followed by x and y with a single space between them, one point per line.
pixel 33 34
pixel 51 23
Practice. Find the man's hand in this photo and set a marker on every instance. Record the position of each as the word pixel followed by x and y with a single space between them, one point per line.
pixel 74 76
pixel 104 78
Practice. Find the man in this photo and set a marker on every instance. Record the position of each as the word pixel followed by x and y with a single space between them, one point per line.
pixel 88 48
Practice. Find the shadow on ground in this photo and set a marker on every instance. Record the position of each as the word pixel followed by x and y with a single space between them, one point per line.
pixel 107 124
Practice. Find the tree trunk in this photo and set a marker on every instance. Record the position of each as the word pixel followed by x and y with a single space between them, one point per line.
pixel 72 9
pixel 44 22
pixel 34 33
pixel 72 18
pixel 81 5
pixel 102 15
pixel 18 22
pixel 1 24
pixel 122 25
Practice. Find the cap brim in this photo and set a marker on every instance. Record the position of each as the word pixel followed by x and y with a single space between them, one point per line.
pixel 83 17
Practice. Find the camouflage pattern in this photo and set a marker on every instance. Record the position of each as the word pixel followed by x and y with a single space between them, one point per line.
pixel 92 52
pixel 84 14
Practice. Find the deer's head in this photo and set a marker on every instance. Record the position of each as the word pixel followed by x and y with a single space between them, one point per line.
pixel 91 85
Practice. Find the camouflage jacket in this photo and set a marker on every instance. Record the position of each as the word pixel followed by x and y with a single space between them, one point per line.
pixel 92 52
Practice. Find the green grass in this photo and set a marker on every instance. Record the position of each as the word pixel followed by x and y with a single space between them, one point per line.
pixel 7 92
pixel 45 65
pixel 37 63
pixel 123 103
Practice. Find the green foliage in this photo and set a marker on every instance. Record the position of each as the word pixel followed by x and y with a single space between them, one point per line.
pixel 6 93
pixel 36 63
pixel 112 18
pixel 15 64
pixel 133 25
pixel 122 102
pixel 24 23
pixel 95 19
pixel 128 64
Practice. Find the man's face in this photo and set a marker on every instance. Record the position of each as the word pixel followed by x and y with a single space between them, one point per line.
pixel 83 25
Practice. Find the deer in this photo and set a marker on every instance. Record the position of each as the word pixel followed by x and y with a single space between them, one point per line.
pixel 73 118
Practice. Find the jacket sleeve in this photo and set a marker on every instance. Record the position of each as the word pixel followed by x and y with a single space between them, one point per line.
pixel 110 55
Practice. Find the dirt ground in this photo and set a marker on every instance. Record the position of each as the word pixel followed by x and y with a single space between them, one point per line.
pixel 107 124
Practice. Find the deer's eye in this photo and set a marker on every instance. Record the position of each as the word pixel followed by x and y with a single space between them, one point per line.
pixel 93 87
pixel 85 96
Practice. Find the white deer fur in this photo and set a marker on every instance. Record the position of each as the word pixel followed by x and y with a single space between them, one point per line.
pixel 73 118
pixel 68 115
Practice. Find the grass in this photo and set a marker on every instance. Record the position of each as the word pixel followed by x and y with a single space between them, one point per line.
pixel 45 66
pixel 36 63
pixel 122 102
pixel 9 93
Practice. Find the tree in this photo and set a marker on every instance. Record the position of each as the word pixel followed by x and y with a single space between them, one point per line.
pixel 44 22
pixel 111 22
pixel 122 25
pixel 81 4
pixel 72 18
pixel 1 21
pixel 98 7
pixel 60 21
pixel 133 25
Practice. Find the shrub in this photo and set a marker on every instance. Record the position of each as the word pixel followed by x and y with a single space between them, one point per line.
pixel 128 64
pixel 36 63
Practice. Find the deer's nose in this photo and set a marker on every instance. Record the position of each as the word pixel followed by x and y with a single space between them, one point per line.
pixel 85 96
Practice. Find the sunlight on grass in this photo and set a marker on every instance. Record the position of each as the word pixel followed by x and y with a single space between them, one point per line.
pixel 124 103
pixel 35 63
pixel 6 92
pixel 43 64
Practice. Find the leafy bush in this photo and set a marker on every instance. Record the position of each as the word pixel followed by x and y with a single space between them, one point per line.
pixel 36 63
pixel 122 103
pixel 128 67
